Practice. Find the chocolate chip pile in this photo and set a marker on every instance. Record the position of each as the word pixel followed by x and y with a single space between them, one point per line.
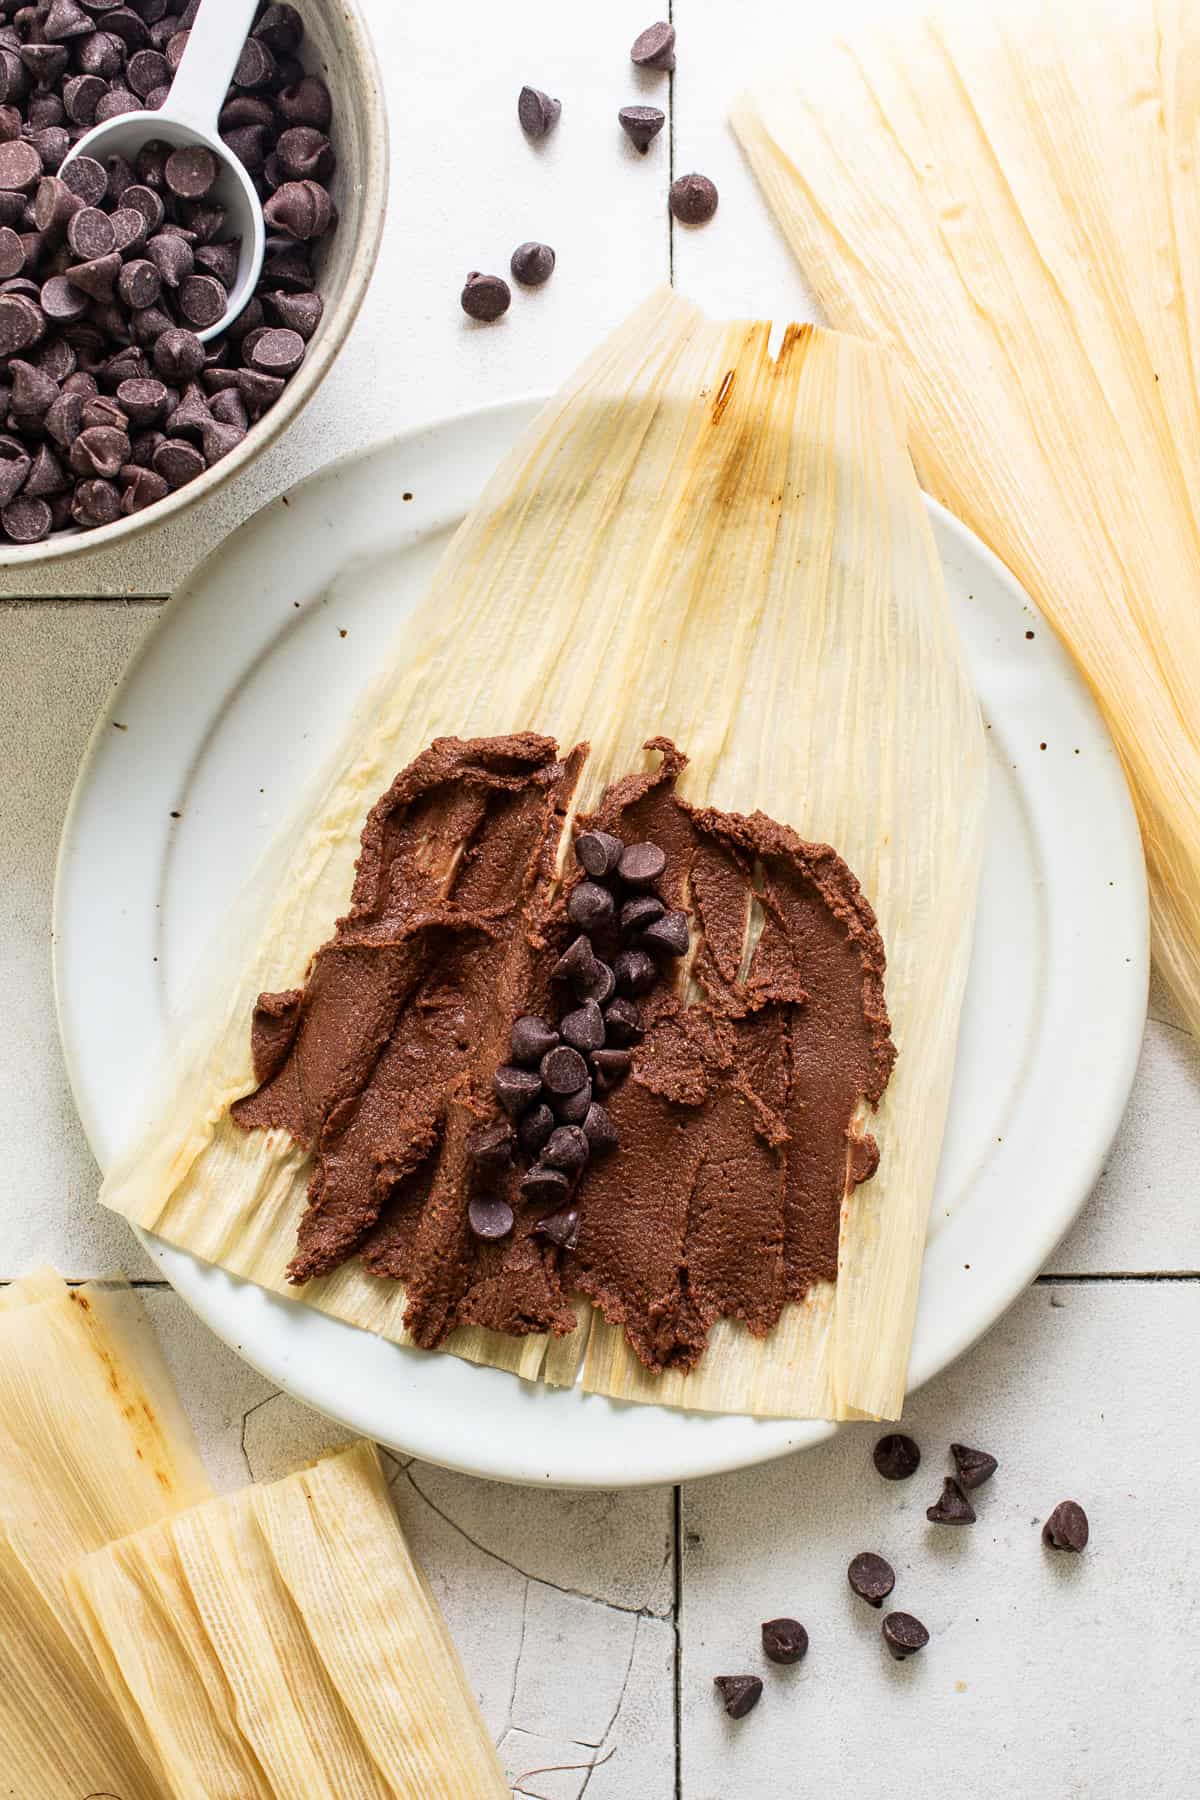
pixel 548 1089
pixel 872 1578
pixel 692 198
pixel 108 272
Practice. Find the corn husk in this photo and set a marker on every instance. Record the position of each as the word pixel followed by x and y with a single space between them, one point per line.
pixel 280 1644
pixel 701 539
pixel 92 1445
pixel 1007 198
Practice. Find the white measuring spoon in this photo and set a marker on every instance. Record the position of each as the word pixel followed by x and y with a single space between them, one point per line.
pixel 189 116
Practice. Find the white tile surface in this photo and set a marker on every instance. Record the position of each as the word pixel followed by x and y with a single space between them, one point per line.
pixel 1044 1678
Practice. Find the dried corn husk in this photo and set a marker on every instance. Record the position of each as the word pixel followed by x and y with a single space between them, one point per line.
pixel 695 538
pixel 92 1445
pixel 281 1645
pixel 1007 198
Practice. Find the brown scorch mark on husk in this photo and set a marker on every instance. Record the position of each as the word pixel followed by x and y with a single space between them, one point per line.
pixel 738 1125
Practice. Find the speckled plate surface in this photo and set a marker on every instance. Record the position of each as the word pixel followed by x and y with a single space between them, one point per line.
pixel 236 696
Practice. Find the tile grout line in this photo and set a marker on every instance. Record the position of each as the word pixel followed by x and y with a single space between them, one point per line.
pixel 676 1613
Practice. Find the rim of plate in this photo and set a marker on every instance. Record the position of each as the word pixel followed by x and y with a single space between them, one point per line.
pixel 302 1351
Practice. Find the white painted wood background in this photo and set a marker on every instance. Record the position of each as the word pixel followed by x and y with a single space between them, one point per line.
pixel 591 1624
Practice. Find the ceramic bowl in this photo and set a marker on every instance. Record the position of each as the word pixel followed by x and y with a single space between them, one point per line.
pixel 337 47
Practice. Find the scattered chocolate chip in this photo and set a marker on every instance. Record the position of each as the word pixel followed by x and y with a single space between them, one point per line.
pixel 693 199
pixel 1066 1528
pixel 577 963
pixel 739 1693
pixel 299 312
pixel 668 934
pixel 543 1186
pixel 953 1508
pixel 609 1067
pixel 563 1070
pixel 514 1088
pixel 589 906
pixel 537 112
pixel 583 1029
pixel 571 1109
pixel 784 1640
pixel 560 1228
pixel 599 1129
pixel 599 852
pixel 600 984
pixel 490 1147
pixel 566 1148
pixel 535 1128
pixel 490 1218
pixel 638 913
pixel 871 1578
pixel 532 264
pixel 641 864
pixel 654 48
pixel 635 972
pixel 276 352
pixel 532 1037
pixel 896 1457
pixel 903 1635
pixel 26 521
pixel 974 1466
pixel 178 462
pixel 641 125
pixel 202 300
pixel 485 297
pixel 623 1023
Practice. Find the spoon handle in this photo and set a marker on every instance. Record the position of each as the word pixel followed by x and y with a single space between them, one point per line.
pixel 209 59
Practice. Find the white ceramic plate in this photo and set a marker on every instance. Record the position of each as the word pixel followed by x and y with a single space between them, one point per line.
pixel 235 697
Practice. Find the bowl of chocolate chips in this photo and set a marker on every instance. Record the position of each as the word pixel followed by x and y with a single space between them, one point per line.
pixel 124 394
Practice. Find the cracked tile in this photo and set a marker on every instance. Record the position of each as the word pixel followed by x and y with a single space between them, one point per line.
pixel 553 1768
pixel 614 1547
pixel 642 1736
pixel 573 1667
pixel 281 1434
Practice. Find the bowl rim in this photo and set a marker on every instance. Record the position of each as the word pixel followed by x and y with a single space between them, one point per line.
pixel 373 183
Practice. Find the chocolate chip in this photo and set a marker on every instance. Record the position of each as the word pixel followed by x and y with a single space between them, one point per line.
pixel 299 312
pixel 221 262
pixel 739 1693
pixel 623 1023
pixel 61 301
pixel 563 1070
pixel 130 230
pixel 14 467
pixel 668 934
pixel 635 972
pixel 97 278
pixel 599 852
pixel 115 104
pixel 531 1038
pixel 219 440
pixel 64 420
pixel 485 297
pixel 583 1029
pixel 537 112
pixel 490 1147
pixel 20 168
pixel 141 488
pixel 535 1128
pixel 641 911
pixel 577 963
pixel 600 984
pixel 641 125
pixel 784 1640
pixel 609 1067
pixel 191 171
pixel 566 1148
pixel 100 450
pixel 32 389
pixel 281 28
pixel 1066 1528
pixel 295 210
pixel 100 410
pixel 903 1635
pixel 543 1186
pixel 871 1578
pixel 974 1466
pixel 305 154
pixel 147 70
pixel 145 200
pixel 560 1228
pixel 46 476
pixel 532 264
pixel 45 62
pixel 191 415
pixel 490 1218
pixel 599 1129
pixel 255 66
pixel 172 256
pixel 85 178
pixel 227 408
pixel 515 1088
pixel 953 1508
pixel 124 23
pixel 896 1457
pixel 277 351
pixel 693 199
pixel 21 323
pixel 178 462
pixel 259 392
pixel 90 232
pixel 305 102
pixel 139 284
pixel 100 54
pixel 641 864
pixel 26 521
pixel 589 906
pixel 202 300
pixel 64 20
pixel 654 48
pixel 54 206
pixel 571 1109
pixel 178 355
